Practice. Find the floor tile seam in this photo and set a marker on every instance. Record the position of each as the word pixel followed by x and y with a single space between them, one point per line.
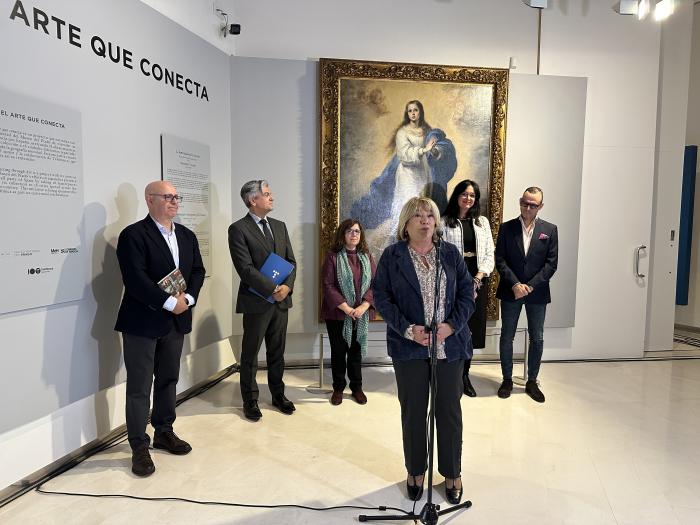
pixel 603 486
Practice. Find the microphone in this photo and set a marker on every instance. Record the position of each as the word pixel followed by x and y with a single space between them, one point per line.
pixel 439 233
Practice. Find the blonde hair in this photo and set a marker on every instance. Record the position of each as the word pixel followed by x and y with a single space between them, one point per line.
pixel 410 209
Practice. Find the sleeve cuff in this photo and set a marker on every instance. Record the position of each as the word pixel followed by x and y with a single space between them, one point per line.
pixel 408 334
pixel 170 303
pixel 190 300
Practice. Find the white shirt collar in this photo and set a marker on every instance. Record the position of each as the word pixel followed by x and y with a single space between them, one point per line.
pixel 256 218
pixel 532 224
pixel 162 229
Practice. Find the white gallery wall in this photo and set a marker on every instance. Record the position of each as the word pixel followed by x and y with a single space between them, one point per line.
pixel 62 371
pixel 65 360
pixel 689 315
pixel 672 113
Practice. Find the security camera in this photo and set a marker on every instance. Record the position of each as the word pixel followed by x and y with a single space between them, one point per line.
pixel 227 29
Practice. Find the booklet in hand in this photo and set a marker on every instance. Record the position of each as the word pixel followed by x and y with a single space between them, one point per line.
pixel 173 283
pixel 277 270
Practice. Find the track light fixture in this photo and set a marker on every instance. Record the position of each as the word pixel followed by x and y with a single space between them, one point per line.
pixel 664 9
pixel 643 9
pixel 661 9
pixel 628 7
pixel 538 4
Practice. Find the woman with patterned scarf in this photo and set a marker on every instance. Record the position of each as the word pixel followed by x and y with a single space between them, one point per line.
pixel 348 306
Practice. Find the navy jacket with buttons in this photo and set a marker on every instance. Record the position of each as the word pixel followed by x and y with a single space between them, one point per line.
pixel 397 297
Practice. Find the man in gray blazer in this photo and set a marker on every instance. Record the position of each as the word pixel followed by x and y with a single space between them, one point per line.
pixel 527 254
pixel 251 240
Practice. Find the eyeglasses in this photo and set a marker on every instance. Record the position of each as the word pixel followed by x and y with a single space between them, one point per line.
pixel 529 205
pixel 168 197
pixel 353 231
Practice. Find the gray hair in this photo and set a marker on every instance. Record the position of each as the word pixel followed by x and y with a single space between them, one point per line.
pixel 251 189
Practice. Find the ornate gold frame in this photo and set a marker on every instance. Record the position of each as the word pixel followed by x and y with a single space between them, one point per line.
pixel 330 73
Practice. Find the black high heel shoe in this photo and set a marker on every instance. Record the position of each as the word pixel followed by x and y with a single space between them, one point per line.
pixel 414 491
pixel 468 388
pixel 454 494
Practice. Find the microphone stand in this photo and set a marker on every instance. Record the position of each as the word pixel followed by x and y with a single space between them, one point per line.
pixel 431 512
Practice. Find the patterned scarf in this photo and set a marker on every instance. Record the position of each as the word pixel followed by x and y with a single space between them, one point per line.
pixel 347 288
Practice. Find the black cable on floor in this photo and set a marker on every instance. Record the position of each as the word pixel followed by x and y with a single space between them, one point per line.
pixel 190 395
pixel 221 503
pixel 106 444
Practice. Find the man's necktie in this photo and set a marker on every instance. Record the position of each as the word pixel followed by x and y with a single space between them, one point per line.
pixel 268 235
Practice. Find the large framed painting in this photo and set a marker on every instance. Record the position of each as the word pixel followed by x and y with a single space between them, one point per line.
pixel 367 171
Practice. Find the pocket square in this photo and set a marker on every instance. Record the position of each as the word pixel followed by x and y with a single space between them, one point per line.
pixel 543 236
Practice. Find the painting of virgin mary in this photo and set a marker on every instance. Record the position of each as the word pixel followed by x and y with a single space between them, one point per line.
pixel 414 158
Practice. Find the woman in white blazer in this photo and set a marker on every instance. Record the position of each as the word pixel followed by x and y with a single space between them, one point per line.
pixel 465 227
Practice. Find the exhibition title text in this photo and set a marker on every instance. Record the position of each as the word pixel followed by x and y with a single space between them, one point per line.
pixel 105 49
pixel 32 118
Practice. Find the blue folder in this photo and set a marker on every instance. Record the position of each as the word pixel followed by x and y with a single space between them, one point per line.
pixel 277 270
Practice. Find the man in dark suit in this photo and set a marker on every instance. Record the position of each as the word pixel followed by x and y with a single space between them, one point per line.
pixel 526 259
pixel 153 322
pixel 251 240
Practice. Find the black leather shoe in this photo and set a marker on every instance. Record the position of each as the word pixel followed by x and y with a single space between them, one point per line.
pixel 251 410
pixel 141 462
pixel 284 404
pixel 169 441
pixel 454 494
pixel 414 491
pixel 532 390
pixel 505 389
pixel 468 388
pixel 359 396
pixel 337 397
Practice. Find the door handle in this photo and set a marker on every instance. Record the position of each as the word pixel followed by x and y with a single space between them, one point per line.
pixel 636 261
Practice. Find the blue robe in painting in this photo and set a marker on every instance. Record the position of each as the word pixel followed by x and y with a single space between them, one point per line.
pixel 378 204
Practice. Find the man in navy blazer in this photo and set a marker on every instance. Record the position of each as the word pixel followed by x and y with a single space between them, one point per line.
pixel 526 259
pixel 153 322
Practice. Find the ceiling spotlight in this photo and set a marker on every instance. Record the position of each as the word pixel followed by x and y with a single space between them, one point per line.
pixel 539 4
pixel 643 9
pixel 663 9
pixel 628 7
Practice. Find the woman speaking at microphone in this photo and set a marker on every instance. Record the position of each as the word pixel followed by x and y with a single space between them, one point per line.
pixel 404 294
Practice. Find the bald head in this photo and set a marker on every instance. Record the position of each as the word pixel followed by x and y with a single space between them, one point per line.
pixel 159 186
pixel 161 206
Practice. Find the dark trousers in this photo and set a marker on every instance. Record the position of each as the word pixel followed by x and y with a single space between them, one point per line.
pixel 510 313
pixel 413 382
pixel 477 322
pixel 151 361
pixel 270 326
pixel 344 357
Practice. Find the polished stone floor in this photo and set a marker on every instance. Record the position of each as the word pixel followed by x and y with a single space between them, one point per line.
pixel 615 443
